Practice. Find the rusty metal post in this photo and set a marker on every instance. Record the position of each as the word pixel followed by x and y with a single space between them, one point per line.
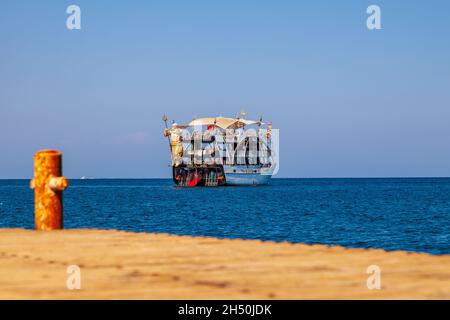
pixel 48 185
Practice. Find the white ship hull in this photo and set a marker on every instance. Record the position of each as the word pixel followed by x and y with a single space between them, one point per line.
pixel 246 176
pixel 236 179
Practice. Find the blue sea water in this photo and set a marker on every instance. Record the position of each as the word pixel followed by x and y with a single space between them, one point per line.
pixel 393 214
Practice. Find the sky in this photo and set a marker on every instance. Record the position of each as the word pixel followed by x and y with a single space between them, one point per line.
pixel 348 101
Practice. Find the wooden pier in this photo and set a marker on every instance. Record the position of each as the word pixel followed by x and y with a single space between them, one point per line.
pixel 125 265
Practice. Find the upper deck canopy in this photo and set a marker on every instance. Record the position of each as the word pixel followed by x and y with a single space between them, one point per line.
pixel 224 123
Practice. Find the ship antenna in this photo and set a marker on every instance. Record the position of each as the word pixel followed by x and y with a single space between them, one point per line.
pixel 164 118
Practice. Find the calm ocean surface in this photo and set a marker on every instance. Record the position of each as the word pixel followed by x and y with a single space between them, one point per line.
pixel 394 214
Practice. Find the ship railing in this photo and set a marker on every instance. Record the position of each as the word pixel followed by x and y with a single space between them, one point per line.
pixel 211 182
pixel 182 182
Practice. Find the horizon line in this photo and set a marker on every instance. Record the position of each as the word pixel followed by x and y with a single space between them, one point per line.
pixel 161 178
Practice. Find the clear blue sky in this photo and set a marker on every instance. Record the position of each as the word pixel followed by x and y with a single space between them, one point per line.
pixel 349 102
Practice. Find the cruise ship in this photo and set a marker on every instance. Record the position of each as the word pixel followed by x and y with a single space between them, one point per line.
pixel 219 151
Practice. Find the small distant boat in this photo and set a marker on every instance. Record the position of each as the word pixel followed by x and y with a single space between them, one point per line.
pixel 220 151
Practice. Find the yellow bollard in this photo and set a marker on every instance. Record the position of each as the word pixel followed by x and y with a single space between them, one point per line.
pixel 48 186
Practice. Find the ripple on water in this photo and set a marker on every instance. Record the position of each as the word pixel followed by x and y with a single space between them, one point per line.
pixel 394 214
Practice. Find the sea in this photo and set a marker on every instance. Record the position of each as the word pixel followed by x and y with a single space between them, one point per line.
pixel 411 214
